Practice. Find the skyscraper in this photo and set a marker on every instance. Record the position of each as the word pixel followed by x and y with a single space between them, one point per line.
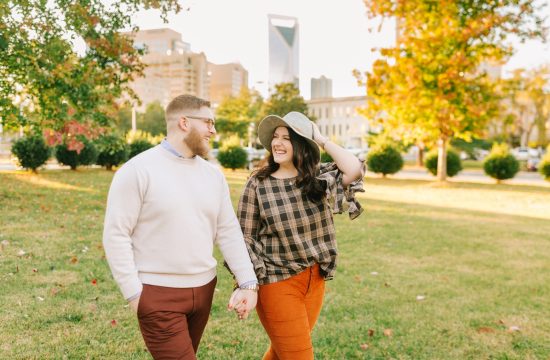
pixel 172 69
pixel 283 50
pixel 321 87
pixel 226 80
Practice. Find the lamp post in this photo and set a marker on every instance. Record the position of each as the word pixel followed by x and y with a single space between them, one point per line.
pixel 250 133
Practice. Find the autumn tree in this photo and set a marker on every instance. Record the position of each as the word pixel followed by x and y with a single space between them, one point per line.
pixel 235 113
pixel 45 83
pixel 429 87
pixel 538 91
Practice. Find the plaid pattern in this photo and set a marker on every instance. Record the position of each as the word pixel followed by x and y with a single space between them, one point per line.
pixel 285 232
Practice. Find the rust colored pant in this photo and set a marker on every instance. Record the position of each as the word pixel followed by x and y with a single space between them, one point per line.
pixel 288 311
pixel 172 320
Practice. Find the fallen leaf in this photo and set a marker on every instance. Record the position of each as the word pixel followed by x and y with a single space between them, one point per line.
pixel 94 281
pixel 357 278
pixel 21 253
pixel 74 260
pixel 40 298
pixel 485 330
pixel 364 346
pixel 388 332
pixel 387 285
pixel 420 297
pixel 113 322
pixel 34 270
pixel 374 273
pixel 5 243
pixel 370 332
pixel 512 329
pixel 54 291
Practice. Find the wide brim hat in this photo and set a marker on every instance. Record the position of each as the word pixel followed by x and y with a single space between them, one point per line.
pixel 294 120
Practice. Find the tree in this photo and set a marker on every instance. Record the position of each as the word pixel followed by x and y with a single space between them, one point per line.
pixel 526 106
pixel 40 72
pixel 539 92
pixel 153 120
pixel 429 87
pixel 285 99
pixel 236 113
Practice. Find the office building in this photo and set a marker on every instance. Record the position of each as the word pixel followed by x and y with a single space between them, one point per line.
pixel 226 80
pixel 283 50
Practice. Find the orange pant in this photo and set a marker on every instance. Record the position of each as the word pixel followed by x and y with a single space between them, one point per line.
pixel 288 311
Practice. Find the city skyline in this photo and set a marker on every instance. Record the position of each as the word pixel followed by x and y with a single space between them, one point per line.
pixel 332 43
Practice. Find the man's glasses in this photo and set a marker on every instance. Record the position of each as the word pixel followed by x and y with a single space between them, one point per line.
pixel 210 123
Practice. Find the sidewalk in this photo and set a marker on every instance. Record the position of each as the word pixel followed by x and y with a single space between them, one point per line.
pixel 468 175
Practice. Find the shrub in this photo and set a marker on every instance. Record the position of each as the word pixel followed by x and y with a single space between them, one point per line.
pixel 31 151
pixel 72 158
pixel 500 164
pixel 133 136
pixel 544 166
pixel 384 158
pixel 139 146
pixel 112 151
pixel 232 157
pixel 454 165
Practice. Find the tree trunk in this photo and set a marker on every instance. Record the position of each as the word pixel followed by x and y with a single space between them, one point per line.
pixel 420 155
pixel 541 129
pixel 442 159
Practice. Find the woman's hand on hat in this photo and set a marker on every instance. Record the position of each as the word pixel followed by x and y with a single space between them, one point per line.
pixel 318 137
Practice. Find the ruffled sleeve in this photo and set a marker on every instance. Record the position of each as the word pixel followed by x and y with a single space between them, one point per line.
pixel 343 199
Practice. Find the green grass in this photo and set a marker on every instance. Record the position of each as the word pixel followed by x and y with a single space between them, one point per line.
pixel 479 254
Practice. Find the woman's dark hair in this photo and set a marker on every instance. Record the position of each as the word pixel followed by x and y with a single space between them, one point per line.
pixel 306 162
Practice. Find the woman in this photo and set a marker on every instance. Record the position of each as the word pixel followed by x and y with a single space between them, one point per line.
pixel 285 213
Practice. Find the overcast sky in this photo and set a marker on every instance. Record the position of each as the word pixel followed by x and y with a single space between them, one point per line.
pixel 334 38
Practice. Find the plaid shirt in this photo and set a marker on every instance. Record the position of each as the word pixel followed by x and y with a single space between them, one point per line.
pixel 285 232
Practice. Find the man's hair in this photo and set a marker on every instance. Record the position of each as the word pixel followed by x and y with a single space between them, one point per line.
pixel 184 102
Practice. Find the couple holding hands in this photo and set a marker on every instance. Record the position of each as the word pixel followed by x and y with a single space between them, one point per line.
pixel 168 207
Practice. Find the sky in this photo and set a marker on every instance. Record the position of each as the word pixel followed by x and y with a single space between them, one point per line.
pixel 334 38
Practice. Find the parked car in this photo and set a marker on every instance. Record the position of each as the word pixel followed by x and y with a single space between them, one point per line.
pixel 524 153
pixel 359 152
pixel 533 163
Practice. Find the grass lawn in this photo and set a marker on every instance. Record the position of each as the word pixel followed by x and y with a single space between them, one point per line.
pixel 456 271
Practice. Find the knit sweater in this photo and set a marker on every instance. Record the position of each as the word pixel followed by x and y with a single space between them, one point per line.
pixel 164 215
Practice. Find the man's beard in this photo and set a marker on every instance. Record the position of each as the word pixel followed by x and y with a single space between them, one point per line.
pixel 196 143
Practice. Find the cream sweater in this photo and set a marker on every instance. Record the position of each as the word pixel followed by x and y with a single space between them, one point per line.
pixel 164 215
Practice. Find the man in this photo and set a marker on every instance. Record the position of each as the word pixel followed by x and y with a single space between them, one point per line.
pixel 166 209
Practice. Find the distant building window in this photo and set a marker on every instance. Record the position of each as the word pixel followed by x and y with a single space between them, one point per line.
pixel 326 112
pixel 340 129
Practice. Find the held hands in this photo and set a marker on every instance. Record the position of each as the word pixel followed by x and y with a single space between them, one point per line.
pixel 243 302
